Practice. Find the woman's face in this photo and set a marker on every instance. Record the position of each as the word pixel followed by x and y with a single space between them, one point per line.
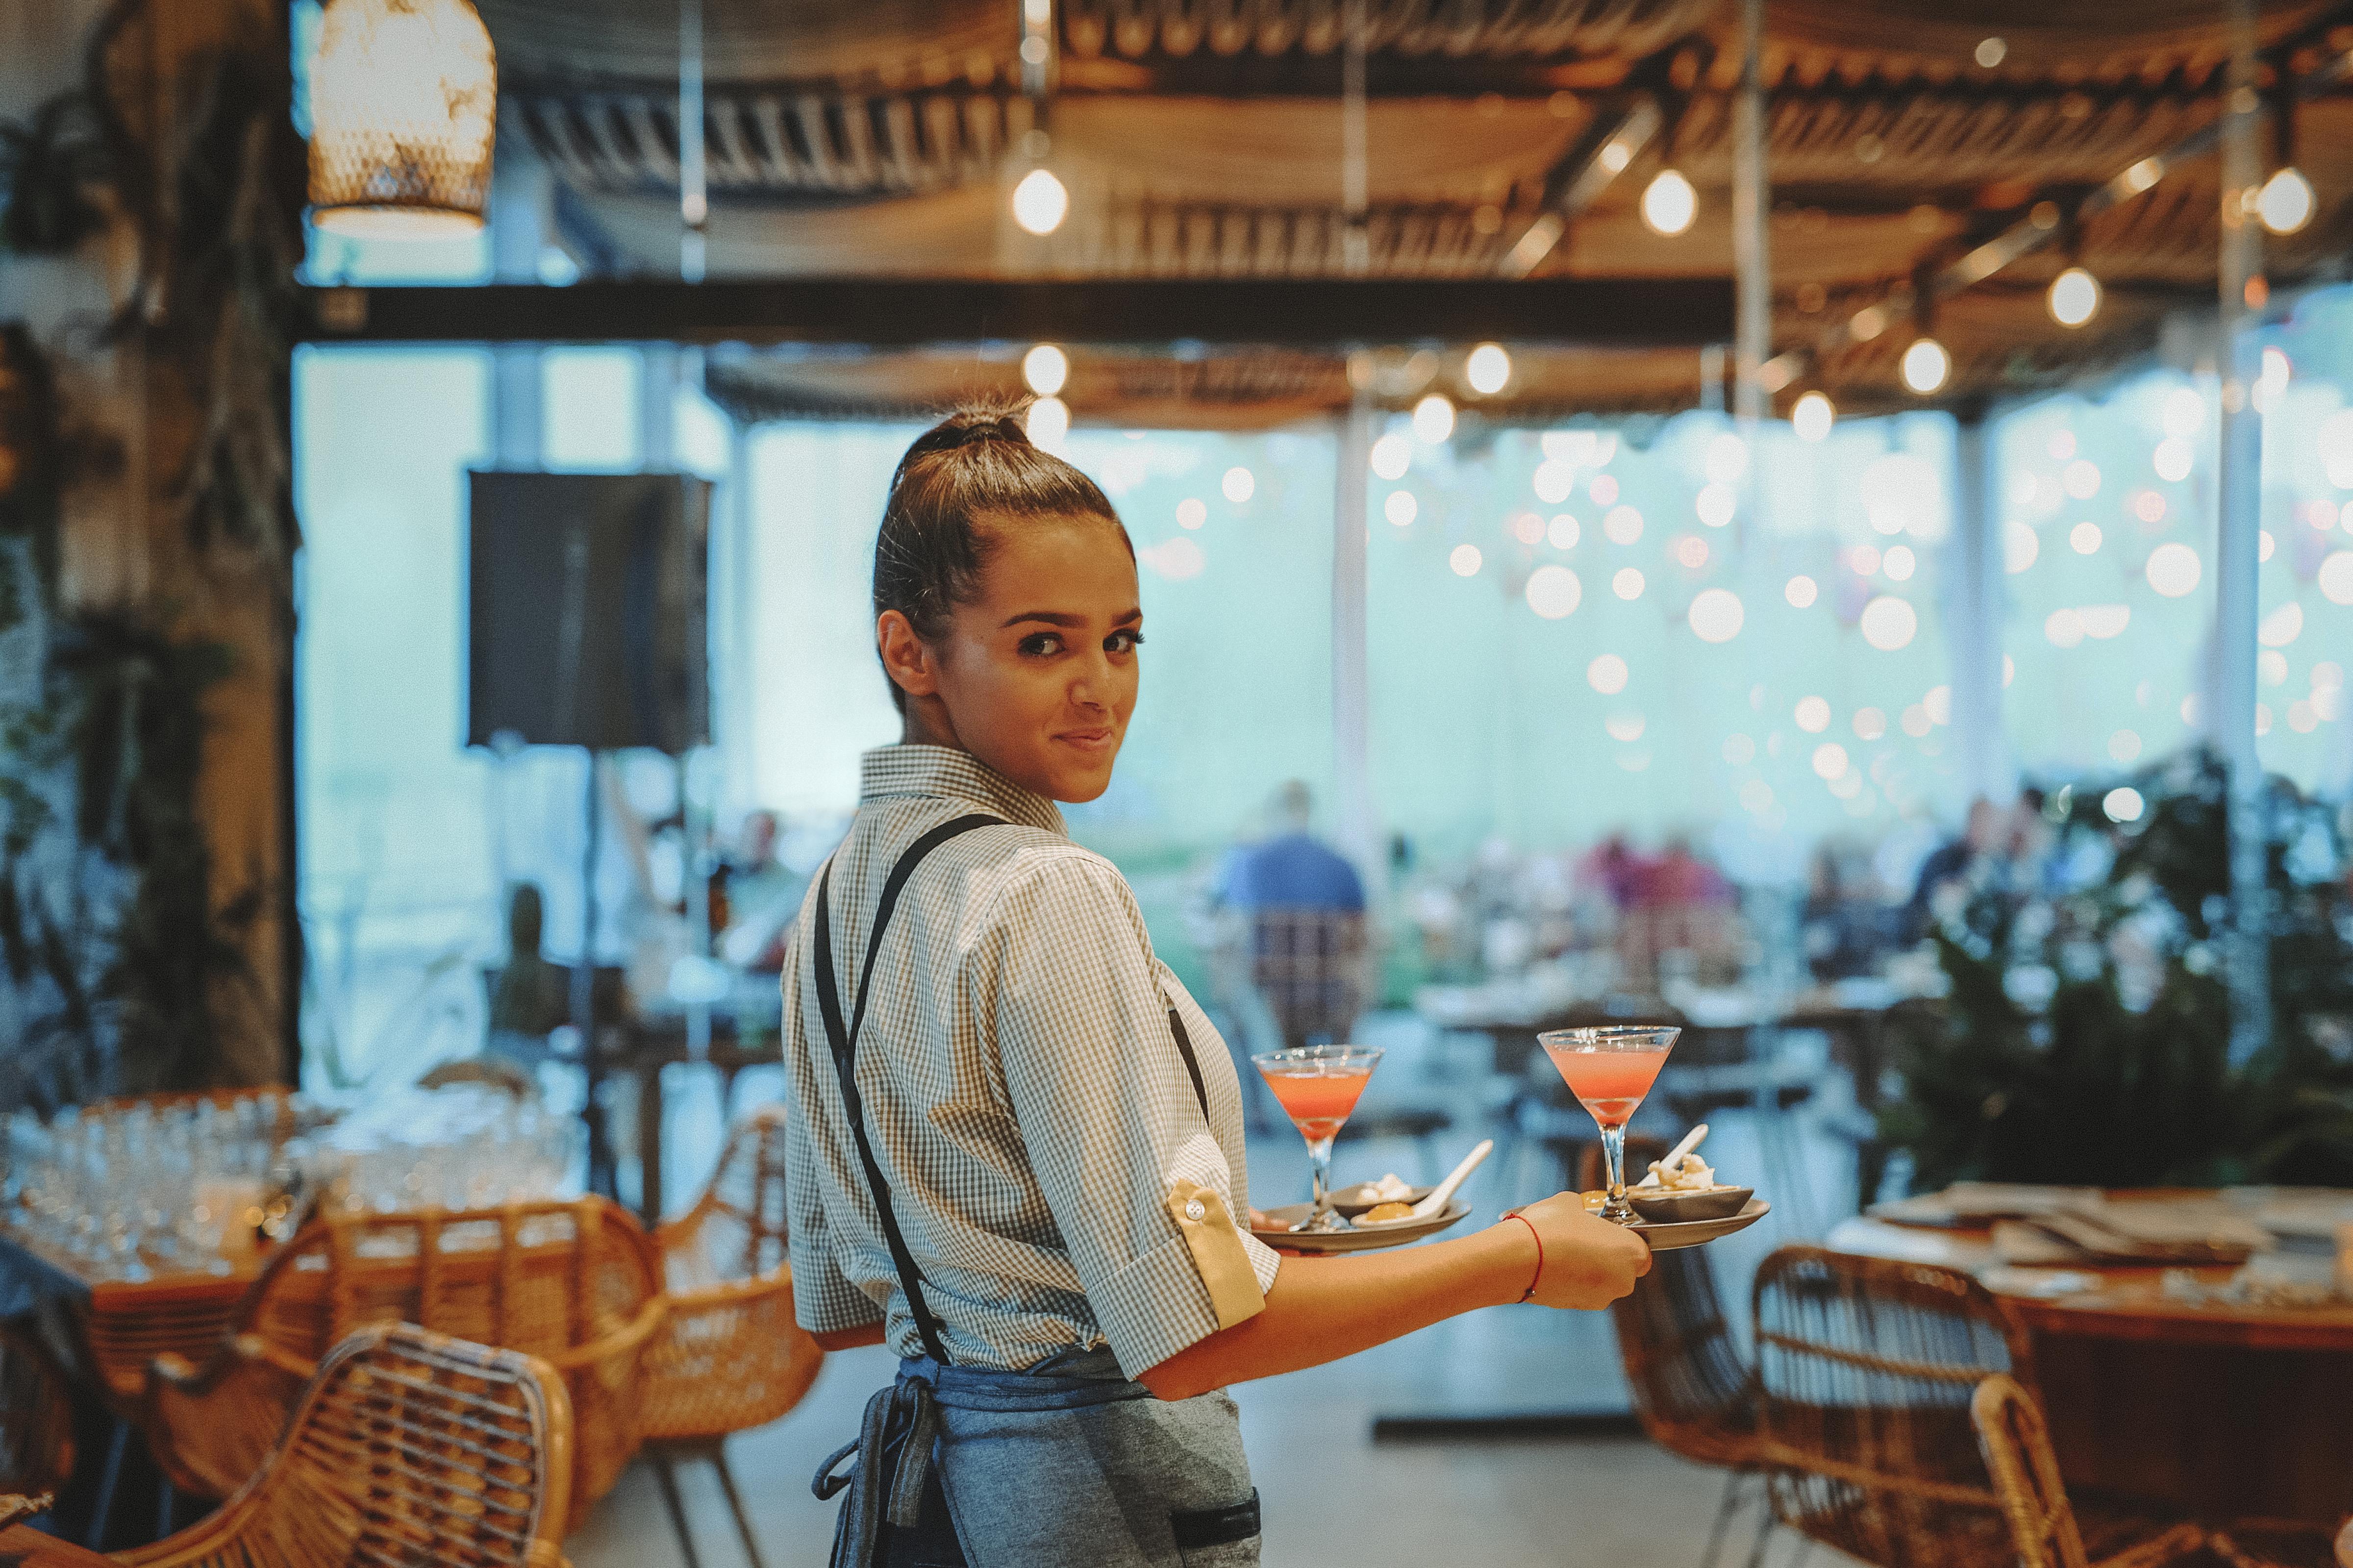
pixel 1037 676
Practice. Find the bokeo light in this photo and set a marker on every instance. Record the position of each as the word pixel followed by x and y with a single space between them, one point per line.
pixel 1046 368
pixel 1039 201
pixel 1812 417
pixel 1669 203
pixel 2285 203
pixel 2074 297
pixel 1433 419
pixel 1489 369
pixel 1926 365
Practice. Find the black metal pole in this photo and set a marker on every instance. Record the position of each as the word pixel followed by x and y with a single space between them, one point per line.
pixel 602 1177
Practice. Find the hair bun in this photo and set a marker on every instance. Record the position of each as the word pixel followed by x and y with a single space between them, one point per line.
pixel 972 426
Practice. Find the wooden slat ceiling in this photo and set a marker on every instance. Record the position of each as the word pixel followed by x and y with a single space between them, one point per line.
pixel 1202 139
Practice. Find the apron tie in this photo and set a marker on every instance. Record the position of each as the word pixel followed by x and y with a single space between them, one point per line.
pixel 901 1424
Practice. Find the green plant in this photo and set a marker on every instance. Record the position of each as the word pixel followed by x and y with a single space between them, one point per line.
pixel 125 966
pixel 2085 1037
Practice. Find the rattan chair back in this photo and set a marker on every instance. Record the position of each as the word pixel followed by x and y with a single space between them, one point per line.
pixel 409 1449
pixel 730 1357
pixel 35 1426
pixel 576 1283
pixel 1309 965
pixel 1865 1370
pixel 1693 1393
pixel 2017 1448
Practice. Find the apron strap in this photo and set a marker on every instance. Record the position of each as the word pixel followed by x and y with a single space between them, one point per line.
pixel 844 1045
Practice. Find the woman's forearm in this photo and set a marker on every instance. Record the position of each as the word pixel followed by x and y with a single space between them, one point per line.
pixel 1322 1309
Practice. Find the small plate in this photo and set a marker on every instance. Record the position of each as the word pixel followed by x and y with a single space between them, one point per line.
pixel 1692 1232
pixel 1352 1239
pixel 1681 1208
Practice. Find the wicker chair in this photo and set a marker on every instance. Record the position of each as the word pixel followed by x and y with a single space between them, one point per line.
pixel 730 1357
pixel 1865 1370
pixel 2042 1528
pixel 408 1448
pixel 15 1506
pixel 37 1450
pixel 575 1284
pixel 1693 1393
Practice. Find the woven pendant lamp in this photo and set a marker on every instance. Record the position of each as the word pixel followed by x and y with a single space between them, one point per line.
pixel 403 98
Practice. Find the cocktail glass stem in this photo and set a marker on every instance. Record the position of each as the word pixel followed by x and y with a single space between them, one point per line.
pixel 1319 1160
pixel 1613 1155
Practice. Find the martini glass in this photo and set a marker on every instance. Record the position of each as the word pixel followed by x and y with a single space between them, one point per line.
pixel 1609 1070
pixel 1319 1085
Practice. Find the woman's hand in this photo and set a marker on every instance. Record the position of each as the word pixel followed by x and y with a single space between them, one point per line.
pixel 1587 1261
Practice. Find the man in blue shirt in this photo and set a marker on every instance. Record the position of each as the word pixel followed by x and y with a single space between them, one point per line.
pixel 1293 869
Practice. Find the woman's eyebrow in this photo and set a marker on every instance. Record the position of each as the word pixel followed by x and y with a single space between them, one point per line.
pixel 1064 619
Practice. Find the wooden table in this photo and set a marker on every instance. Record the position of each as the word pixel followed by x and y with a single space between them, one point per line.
pixel 102 1333
pixel 2224 1410
pixel 21 1546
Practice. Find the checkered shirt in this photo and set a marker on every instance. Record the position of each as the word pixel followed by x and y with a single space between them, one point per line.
pixel 1024 1096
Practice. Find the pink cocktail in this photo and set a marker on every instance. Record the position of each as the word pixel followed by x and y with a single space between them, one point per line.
pixel 1609 1070
pixel 1319 1086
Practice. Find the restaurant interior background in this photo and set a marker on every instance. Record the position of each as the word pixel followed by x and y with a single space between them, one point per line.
pixel 1792 547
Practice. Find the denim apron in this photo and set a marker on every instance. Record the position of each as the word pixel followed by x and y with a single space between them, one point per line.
pixel 1066 1464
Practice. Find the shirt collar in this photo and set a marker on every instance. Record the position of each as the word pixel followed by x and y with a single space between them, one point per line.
pixel 944 773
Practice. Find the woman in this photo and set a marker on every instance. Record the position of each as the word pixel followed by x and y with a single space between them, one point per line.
pixel 1016 1143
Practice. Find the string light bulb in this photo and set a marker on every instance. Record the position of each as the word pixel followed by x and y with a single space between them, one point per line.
pixel 1489 369
pixel 1669 203
pixel 1046 368
pixel 2074 297
pixel 1041 202
pixel 1811 417
pixel 1433 419
pixel 1926 365
pixel 2285 203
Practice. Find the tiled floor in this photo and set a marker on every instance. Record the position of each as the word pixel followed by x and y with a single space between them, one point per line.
pixel 1334 1496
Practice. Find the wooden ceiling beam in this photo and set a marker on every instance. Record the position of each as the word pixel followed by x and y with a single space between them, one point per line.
pixel 1592 312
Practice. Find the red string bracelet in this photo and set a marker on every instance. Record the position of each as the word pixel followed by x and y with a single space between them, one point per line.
pixel 1524 1220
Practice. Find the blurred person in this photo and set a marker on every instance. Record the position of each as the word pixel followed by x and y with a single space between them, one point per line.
pixel 1033 1187
pixel 1983 838
pixel 1844 931
pixel 763 896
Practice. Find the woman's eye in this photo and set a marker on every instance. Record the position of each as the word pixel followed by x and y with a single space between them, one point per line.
pixel 1123 642
pixel 1042 645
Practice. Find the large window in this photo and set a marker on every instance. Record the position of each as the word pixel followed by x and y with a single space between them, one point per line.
pixel 1651 627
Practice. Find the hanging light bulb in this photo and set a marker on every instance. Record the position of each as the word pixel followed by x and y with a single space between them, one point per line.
pixel 1812 415
pixel 2074 297
pixel 1669 203
pixel 1041 202
pixel 1926 365
pixel 1433 419
pixel 404 103
pixel 1489 369
pixel 1048 423
pixel 1045 368
pixel 2286 202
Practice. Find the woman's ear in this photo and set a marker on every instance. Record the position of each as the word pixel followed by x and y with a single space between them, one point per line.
pixel 905 658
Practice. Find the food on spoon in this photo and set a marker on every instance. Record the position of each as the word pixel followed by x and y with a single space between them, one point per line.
pixel 1690 1174
pixel 1379 1212
pixel 1594 1200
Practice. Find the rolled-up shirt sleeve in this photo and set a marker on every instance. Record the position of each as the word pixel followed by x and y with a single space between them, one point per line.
pixel 1108 1113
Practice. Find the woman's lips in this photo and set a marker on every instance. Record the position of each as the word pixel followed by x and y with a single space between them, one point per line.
pixel 1087 740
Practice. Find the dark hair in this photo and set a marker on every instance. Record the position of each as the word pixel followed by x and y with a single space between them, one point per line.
pixel 973 473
